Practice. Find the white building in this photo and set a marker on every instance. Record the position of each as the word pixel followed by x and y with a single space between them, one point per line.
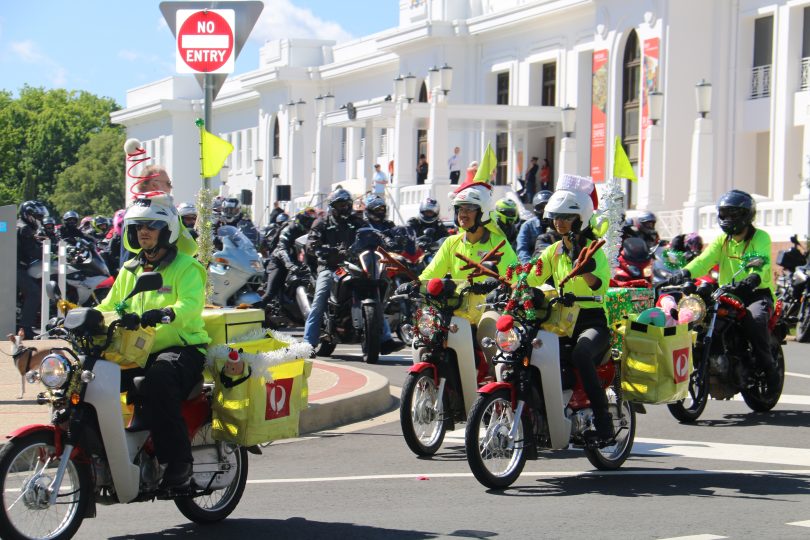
pixel 515 65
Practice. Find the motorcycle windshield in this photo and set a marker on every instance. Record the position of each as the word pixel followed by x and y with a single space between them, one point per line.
pixel 236 238
pixel 366 239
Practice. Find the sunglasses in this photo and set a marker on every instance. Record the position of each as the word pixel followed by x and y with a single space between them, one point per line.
pixel 150 225
pixel 466 208
pixel 564 217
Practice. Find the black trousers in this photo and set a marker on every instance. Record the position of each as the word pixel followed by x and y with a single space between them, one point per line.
pixel 591 341
pixel 755 324
pixel 454 176
pixel 170 376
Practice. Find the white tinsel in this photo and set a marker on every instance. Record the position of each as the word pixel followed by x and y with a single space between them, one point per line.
pixel 205 242
pixel 611 208
pixel 261 362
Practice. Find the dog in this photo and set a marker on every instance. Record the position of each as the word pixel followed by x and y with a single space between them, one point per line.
pixel 25 358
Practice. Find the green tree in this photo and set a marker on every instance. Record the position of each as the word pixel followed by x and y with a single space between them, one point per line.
pixel 95 183
pixel 41 132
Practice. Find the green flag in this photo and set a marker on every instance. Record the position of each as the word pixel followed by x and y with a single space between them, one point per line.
pixel 213 154
pixel 621 165
pixel 487 165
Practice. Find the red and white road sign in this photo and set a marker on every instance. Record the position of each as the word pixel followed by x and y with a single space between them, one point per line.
pixel 205 41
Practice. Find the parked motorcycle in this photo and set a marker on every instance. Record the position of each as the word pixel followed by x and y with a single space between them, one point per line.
pixel 528 409
pixel 359 292
pixel 236 272
pixel 723 355
pixel 791 289
pixel 52 476
pixel 441 384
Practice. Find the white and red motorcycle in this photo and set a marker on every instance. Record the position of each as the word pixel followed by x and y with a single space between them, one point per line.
pixel 53 476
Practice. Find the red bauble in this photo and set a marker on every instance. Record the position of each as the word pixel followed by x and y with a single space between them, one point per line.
pixel 435 287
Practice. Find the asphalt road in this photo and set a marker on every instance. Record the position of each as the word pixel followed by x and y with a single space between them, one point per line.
pixel 733 474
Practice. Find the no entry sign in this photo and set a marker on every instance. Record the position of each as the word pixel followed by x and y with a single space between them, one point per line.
pixel 205 41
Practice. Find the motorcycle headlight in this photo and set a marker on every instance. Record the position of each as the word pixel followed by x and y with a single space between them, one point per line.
pixel 508 341
pixel 54 371
pixel 426 325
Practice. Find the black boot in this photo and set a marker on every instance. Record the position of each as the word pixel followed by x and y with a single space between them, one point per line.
pixel 604 427
pixel 177 475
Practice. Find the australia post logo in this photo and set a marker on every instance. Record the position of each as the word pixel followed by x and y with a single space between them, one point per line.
pixel 278 398
pixel 680 364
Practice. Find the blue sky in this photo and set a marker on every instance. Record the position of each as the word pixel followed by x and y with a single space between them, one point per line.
pixel 109 46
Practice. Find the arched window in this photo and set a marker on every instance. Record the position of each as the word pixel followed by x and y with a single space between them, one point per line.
pixel 631 121
pixel 276 140
pixel 423 93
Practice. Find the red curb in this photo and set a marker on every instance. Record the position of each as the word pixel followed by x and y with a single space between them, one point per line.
pixel 348 381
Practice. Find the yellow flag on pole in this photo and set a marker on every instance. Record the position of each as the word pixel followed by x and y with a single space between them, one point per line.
pixel 621 165
pixel 213 154
pixel 487 165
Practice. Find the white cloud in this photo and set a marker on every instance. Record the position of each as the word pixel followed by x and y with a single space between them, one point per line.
pixel 59 77
pixel 283 19
pixel 27 52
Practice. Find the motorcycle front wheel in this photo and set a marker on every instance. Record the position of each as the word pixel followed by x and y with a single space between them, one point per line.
pixel 761 397
pixel 372 332
pixel 803 326
pixel 612 457
pixel 214 505
pixel 422 425
pixel 494 458
pixel 27 467
pixel 689 410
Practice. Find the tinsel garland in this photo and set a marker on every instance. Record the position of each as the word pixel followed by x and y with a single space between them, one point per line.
pixel 522 297
pixel 205 242
pixel 612 207
pixel 748 257
pixel 674 259
pixel 262 361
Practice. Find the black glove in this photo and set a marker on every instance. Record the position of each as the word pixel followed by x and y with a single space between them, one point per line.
pixel 406 288
pixel 587 268
pixel 679 276
pixel 155 316
pixel 485 287
pixel 130 321
pixel 748 285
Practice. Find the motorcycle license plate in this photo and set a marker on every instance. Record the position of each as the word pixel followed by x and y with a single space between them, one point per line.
pixel 340 272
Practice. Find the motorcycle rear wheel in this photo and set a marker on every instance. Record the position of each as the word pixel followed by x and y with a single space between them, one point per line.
pixel 495 461
pixel 761 398
pixel 612 457
pixel 803 326
pixel 27 467
pixel 422 425
pixel 219 504
pixel 689 410
pixel 372 332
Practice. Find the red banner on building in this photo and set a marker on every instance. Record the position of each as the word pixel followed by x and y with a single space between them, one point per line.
pixel 650 84
pixel 599 98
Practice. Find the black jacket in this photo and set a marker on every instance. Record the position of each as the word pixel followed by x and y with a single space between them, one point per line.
pixel 330 236
pixel 29 245
pixel 285 248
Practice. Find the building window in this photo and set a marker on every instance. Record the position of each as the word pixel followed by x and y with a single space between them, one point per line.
pixel 549 97
pixel 423 93
pixel 237 149
pixel 362 143
pixel 383 146
pixel 631 88
pixel 763 57
pixel 805 62
pixel 501 153
pixel 248 147
pixel 502 95
pixel 342 145
pixel 276 138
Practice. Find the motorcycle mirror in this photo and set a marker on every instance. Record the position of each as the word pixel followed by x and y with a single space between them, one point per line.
pixel 52 290
pixel 148 281
pixel 755 262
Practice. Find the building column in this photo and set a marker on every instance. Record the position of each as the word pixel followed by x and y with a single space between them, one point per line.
pixel 701 171
pixel 651 186
pixel 404 147
pixel 438 151
pixel 369 155
pixel 568 157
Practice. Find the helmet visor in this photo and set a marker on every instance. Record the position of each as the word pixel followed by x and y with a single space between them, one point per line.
pixel 732 212
pixel 230 211
pixel 562 217
pixel 152 225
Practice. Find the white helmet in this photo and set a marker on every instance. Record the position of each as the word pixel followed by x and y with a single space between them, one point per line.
pixel 186 209
pixel 570 202
pixel 159 213
pixel 478 194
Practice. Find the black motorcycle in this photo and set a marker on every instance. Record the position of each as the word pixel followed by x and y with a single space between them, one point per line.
pixel 292 303
pixel 791 289
pixel 723 365
pixel 360 290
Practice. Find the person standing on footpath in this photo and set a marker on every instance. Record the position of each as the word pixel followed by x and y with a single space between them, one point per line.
pixel 531 180
pixel 454 166
pixel 380 181
pixel 545 177
pixel 421 170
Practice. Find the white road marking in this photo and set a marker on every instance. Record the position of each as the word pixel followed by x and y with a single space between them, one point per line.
pixel 526 474
pixel 696 537
pixel 800 523
pixel 785 399
pixel 800 375
pixel 799 457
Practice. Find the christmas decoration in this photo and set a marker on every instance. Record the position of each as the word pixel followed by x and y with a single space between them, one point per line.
pixel 611 211
pixel 205 241
pixel 674 259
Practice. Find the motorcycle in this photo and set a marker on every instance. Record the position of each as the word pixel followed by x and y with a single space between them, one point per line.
pixel 293 302
pixel 359 291
pixel 791 289
pixel 236 272
pixel 87 278
pixel 441 384
pixel 528 409
pixel 53 476
pixel 635 265
pixel 723 354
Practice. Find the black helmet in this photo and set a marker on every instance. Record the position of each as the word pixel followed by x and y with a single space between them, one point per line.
pixel 49 224
pixel 376 210
pixel 231 210
pixel 340 202
pixel 539 202
pixel 736 210
pixel 304 218
pixel 33 211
